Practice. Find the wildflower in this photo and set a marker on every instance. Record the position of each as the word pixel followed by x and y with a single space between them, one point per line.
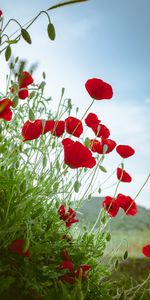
pixel 24 80
pixel 70 277
pixel 127 204
pixel 5 111
pixel 98 146
pixel 1 13
pixel 23 93
pixel 100 130
pixel 146 250
pixel 57 127
pixel 123 176
pixel 92 119
pixel 73 126
pixel 67 263
pixel 111 206
pixel 32 130
pixel 125 151
pixel 98 89
pixel 17 247
pixel 68 217
pixel 77 155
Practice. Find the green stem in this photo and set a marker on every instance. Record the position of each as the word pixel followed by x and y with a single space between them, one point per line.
pixel 142 186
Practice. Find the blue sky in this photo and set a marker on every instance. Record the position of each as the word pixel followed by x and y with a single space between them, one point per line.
pixel 105 39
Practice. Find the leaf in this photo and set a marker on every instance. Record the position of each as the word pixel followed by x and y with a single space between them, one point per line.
pixel 99 190
pixel 15 102
pixel 116 264
pixel 23 186
pixel 8 53
pixel 26 36
pixel 44 75
pixel 31 115
pixel 11 42
pixel 87 142
pixel 66 3
pixel 108 236
pixel 32 94
pixel 103 219
pixel 51 31
pixel 125 256
pixel 77 185
pixel 16 59
pixel 103 169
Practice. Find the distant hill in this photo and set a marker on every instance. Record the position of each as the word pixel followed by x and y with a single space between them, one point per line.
pixel 139 222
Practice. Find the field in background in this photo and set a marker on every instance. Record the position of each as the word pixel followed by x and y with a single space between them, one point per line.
pixel 130 233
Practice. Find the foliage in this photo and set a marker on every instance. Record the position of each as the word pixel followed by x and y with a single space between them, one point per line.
pixel 44 255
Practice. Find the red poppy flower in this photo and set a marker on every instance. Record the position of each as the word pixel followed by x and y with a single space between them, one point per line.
pixel 58 128
pixel 1 13
pixel 67 264
pixel 5 111
pixel 123 176
pixel 17 247
pixel 73 126
pixel 146 250
pixel 32 130
pixel 98 146
pixel 23 94
pixel 48 126
pixel 25 79
pixel 100 130
pixel 98 89
pixel 68 217
pixel 77 155
pixel 92 119
pixel 127 204
pixel 111 206
pixel 125 151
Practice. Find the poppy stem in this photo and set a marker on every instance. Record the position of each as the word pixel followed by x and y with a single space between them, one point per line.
pixel 87 109
pixel 119 181
pixel 142 186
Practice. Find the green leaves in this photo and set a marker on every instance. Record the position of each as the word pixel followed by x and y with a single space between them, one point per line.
pixel 8 53
pixel 125 256
pixel 77 185
pixel 11 42
pixel 116 264
pixel 26 36
pixel 103 169
pixel 23 186
pixel 87 143
pixel 51 31
pixel 31 115
pixel 15 102
pixel 108 236
pixel 66 3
